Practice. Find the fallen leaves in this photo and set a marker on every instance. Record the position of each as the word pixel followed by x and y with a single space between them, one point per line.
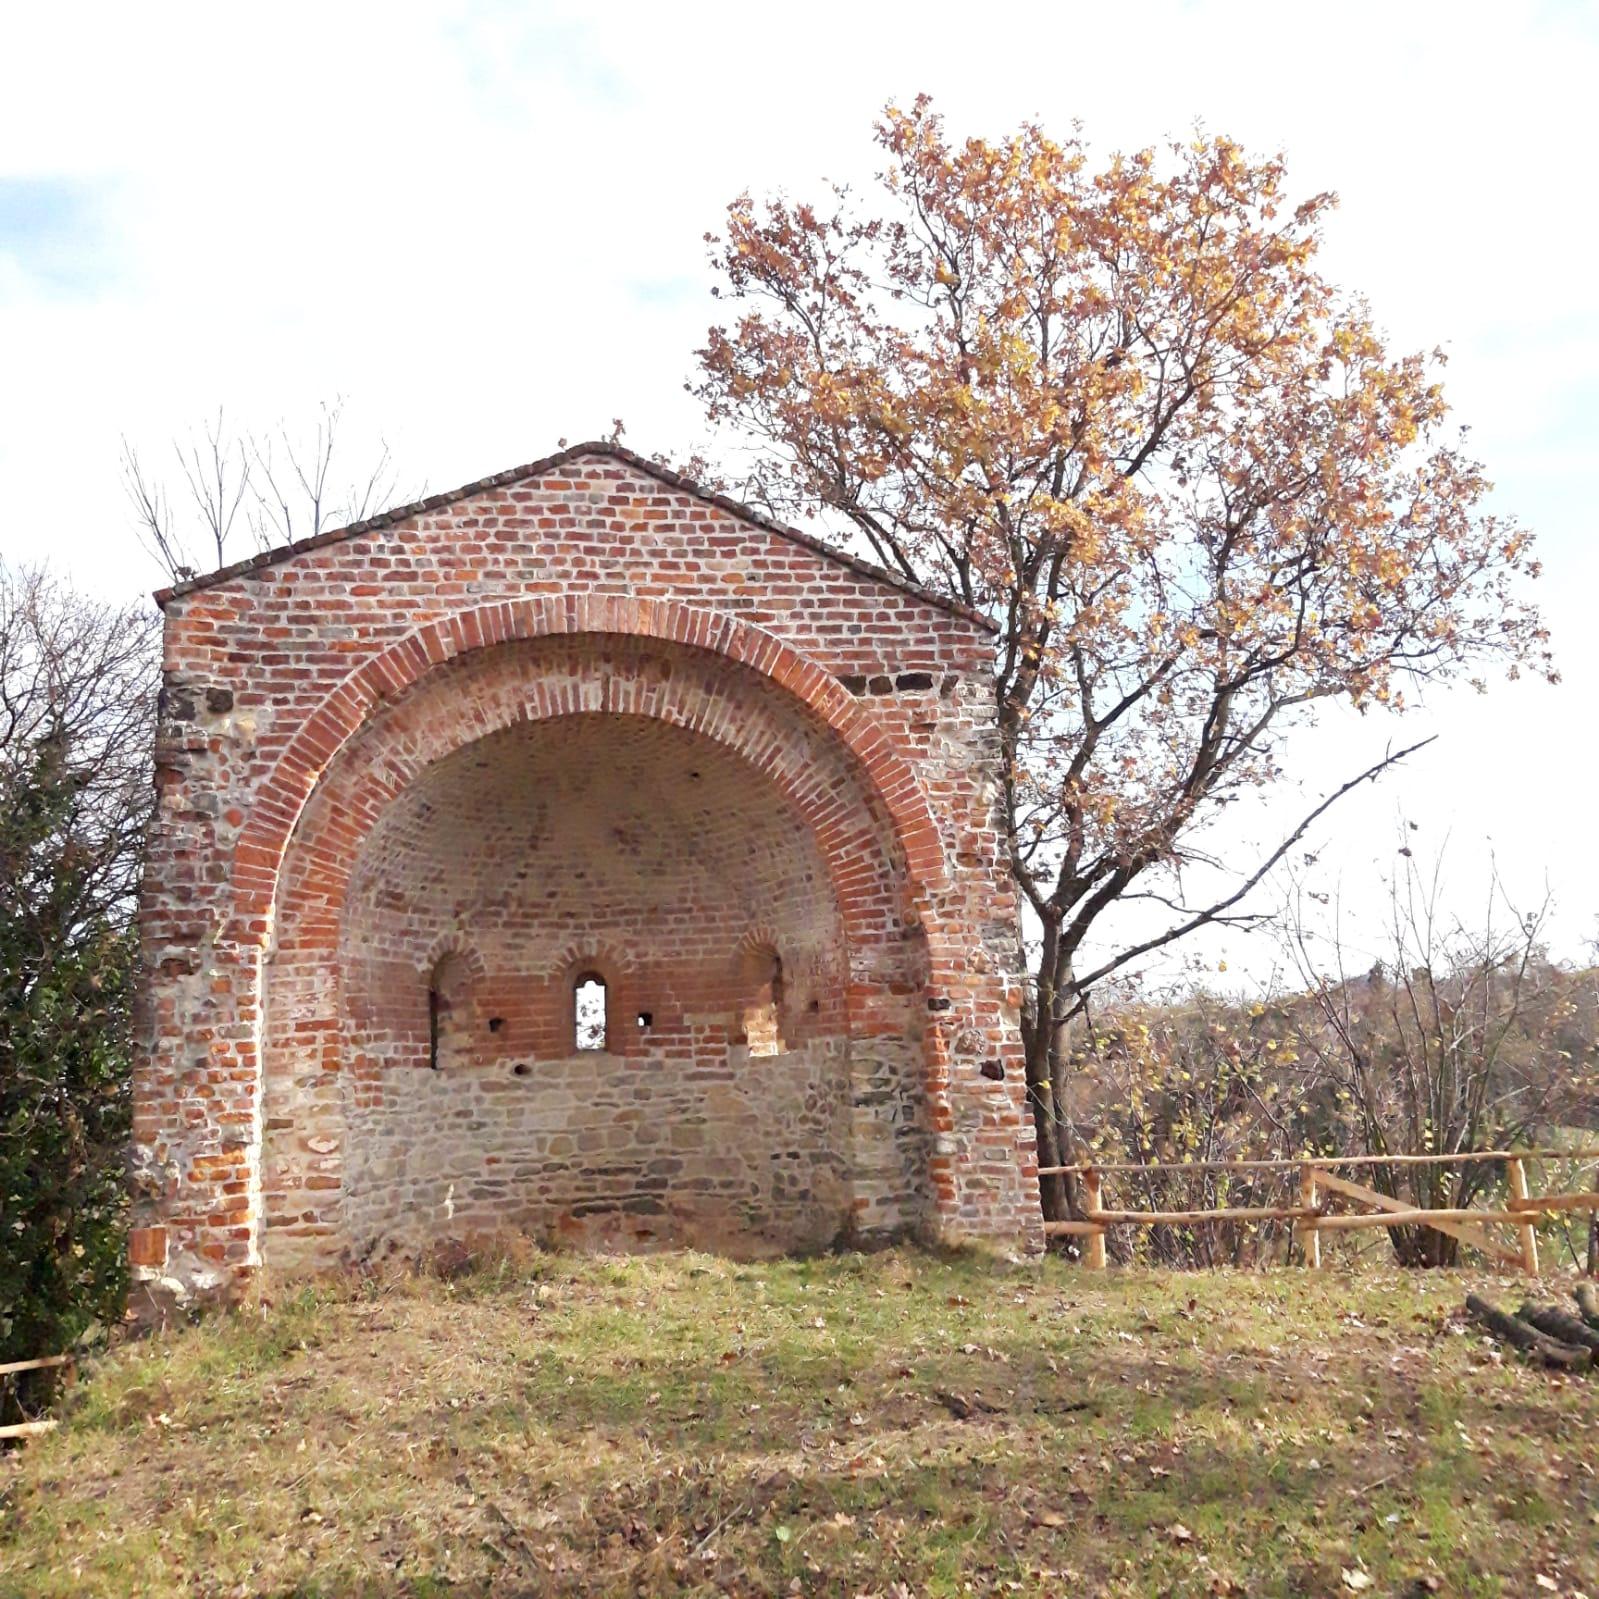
pixel 757 1423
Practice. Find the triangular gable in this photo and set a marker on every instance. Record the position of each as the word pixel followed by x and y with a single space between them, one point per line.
pixel 537 469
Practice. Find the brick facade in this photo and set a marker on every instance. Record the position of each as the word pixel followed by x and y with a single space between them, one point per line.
pixel 421 779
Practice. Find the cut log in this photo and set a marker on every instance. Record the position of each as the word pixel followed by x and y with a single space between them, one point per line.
pixel 1587 1302
pixel 1527 1339
pixel 1561 1324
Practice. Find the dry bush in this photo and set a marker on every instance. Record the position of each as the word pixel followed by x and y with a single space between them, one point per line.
pixel 1462 1038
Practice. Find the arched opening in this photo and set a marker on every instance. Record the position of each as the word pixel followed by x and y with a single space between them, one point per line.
pixel 448 997
pixel 591 1018
pixel 687 813
pixel 762 1022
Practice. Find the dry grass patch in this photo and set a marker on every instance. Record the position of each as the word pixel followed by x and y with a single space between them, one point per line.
pixel 895 1423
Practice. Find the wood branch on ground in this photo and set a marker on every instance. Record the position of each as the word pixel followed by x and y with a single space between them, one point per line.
pixel 962 1408
pixel 1561 1324
pixel 1587 1302
pixel 1527 1339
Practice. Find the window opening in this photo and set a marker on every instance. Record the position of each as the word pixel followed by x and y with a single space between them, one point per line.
pixel 763 1018
pixel 447 989
pixel 589 1010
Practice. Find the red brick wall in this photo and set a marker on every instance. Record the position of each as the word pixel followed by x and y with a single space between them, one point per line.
pixel 437 736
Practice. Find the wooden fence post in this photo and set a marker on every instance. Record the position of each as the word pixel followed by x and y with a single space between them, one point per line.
pixel 1094 1252
pixel 1516 1176
pixel 1593 1231
pixel 1309 1234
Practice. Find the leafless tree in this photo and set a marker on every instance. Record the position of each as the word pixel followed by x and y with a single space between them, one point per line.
pixel 275 487
pixel 1461 1038
pixel 80 676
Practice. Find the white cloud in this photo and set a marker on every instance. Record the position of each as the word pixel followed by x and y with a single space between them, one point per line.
pixel 483 224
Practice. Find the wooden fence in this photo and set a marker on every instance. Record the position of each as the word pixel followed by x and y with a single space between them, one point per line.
pixel 31 1429
pixel 1311 1217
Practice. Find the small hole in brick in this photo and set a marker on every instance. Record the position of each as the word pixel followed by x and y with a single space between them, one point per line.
pixel 646 1019
pixel 496 1023
pixel 521 1069
pixel 994 1070
pixel 816 1005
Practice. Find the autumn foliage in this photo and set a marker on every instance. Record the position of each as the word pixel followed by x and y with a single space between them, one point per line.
pixel 1117 406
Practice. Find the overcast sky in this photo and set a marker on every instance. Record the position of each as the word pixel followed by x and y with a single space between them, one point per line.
pixel 483 225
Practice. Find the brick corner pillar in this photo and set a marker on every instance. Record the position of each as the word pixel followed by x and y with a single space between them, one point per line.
pixel 983 1159
pixel 984 1155
pixel 196 1140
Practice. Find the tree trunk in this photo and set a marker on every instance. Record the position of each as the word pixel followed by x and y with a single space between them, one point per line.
pixel 1041 1096
pixel 1423 1247
pixel 1043 1086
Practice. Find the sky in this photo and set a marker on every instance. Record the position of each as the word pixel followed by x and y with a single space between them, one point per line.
pixel 482 225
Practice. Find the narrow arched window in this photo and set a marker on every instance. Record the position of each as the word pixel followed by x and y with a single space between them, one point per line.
pixel 447 990
pixel 763 1016
pixel 590 1012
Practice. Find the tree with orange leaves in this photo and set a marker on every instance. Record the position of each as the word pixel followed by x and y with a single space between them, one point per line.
pixel 1119 410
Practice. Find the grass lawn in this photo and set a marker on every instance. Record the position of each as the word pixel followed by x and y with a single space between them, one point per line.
pixel 893 1424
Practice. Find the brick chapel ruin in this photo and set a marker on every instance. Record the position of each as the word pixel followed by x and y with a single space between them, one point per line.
pixel 578 853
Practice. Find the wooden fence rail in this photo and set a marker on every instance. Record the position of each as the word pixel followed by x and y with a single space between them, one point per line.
pixel 1310 1215
pixel 31 1429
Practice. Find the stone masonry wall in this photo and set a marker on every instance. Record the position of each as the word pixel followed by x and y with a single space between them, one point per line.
pixel 532 858
pixel 307 695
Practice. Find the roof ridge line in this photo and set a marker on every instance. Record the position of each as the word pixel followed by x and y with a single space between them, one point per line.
pixel 521 474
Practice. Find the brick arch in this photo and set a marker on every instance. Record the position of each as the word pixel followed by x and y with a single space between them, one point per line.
pixel 456 945
pixel 610 955
pixel 856 838
pixel 499 690
pixel 262 843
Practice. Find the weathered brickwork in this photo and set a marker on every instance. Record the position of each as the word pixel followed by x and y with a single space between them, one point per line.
pixel 420 780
